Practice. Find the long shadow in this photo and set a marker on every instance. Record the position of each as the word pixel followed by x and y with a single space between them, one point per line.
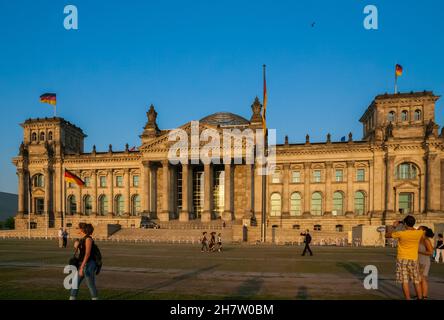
pixel 302 293
pixel 163 284
pixel 353 268
pixel 385 286
pixel 247 289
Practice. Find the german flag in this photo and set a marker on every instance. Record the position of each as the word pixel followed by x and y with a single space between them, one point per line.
pixel 72 178
pixel 49 98
pixel 398 70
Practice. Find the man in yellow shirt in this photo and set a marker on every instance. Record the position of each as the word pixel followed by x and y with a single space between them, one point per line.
pixel 407 258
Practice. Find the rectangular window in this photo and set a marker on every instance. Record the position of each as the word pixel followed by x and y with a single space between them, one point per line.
pixel 360 175
pixel 87 181
pixel 276 177
pixel 119 181
pixel 317 176
pixel 39 205
pixel 102 182
pixel 339 176
pixel 135 181
pixel 296 177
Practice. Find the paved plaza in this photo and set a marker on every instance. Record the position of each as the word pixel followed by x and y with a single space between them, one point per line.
pixel 34 270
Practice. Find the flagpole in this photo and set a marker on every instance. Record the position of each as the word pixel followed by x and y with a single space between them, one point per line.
pixel 396 83
pixel 264 171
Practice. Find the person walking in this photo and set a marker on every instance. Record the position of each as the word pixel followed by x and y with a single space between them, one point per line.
pixel 204 242
pixel 439 249
pixel 212 245
pixel 60 236
pixel 425 252
pixel 407 267
pixel 307 241
pixel 65 238
pixel 219 242
pixel 88 266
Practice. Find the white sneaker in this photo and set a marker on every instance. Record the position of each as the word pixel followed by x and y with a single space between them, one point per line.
pixel 72 298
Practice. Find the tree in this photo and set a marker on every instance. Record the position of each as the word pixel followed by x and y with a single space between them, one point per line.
pixel 9 223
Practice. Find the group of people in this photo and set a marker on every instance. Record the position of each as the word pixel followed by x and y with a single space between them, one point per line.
pixel 414 255
pixel 63 238
pixel 212 244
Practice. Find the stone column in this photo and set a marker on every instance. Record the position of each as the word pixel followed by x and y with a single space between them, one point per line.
pixel 110 185
pixel 257 192
pixel 285 191
pixel 184 214
pixel 328 190
pixel 228 210
pixel 370 186
pixel 93 178
pixel 307 195
pixel 47 179
pixel 248 210
pixel 433 182
pixel 127 178
pixel 166 189
pixel 146 184
pixel 390 197
pixel 350 195
pixel 21 191
pixel 153 191
pixel 78 194
pixel 208 199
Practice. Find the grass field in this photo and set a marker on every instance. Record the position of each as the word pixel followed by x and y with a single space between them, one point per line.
pixel 34 270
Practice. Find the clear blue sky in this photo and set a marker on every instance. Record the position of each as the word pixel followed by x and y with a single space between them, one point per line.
pixel 193 58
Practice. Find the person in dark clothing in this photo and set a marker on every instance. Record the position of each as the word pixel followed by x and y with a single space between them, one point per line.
pixel 204 242
pixel 87 269
pixel 212 245
pixel 307 240
pixel 65 238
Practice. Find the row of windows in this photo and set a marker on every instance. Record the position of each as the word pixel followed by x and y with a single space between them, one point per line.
pixel 404 115
pixel 316 204
pixel 118 182
pixel 317 176
pixel 103 205
pixel 318 227
pixel 42 136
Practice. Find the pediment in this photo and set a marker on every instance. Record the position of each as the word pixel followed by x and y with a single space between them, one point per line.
pixel 162 143
pixel 407 184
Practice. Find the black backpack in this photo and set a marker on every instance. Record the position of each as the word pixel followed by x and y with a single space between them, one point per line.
pixel 97 257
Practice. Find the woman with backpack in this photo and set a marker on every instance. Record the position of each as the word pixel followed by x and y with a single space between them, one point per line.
pixel 88 267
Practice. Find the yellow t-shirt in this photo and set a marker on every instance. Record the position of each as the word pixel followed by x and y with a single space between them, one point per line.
pixel 408 243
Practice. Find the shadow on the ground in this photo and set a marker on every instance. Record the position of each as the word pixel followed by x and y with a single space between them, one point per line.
pixel 247 289
pixel 302 293
pixel 185 276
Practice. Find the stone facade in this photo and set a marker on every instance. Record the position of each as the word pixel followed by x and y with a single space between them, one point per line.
pixel 327 187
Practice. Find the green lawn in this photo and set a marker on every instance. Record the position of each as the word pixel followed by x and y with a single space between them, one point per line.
pixel 34 270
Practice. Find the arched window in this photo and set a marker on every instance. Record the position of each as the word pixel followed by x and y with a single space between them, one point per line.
pixel 417 115
pixel 359 203
pixel 42 136
pixel 72 205
pixel 406 171
pixel 103 205
pixel 295 204
pixel 34 137
pixel 391 116
pixel 87 205
pixel 50 135
pixel 316 204
pixel 276 204
pixel 338 203
pixel 39 180
pixel 339 228
pixel 404 115
pixel 135 205
pixel 119 205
